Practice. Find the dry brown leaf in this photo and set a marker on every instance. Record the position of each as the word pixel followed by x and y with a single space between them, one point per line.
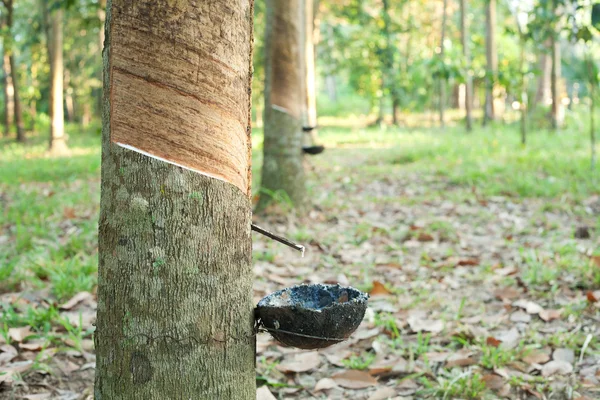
pixel 7 371
pixel 492 341
pixel 550 315
pixel 325 384
pixel 462 358
pixel 337 358
pixel 69 213
pixel 520 316
pixel 379 289
pixel 537 357
pixel 507 293
pixel 33 345
pixel 383 393
pixel 562 354
pixel 493 381
pixel 78 298
pixel 425 325
pixel 556 367
pixel 19 334
pixel 596 260
pixel 437 357
pixel 366 334
pixel 7 353
pixel 468 262
pixel 300 362
pixel 38 396
pixel 529 306
pixel 424 237
pixel 383 365
pixel 593 297
pixel 263 393
pixel 353 379
pixel 406 387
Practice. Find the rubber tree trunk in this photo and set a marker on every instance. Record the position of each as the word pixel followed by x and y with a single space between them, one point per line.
pixel 9 91
pixel 175 313
pixel 464 35
pixel 388 62
pixel 16 100
pixel 58 144
pixel 543 93
pixel 491 53
pixel 283 173
pixel 310 98
pixel 442 83
pixel 554 83
pixel 593 84
pixel 523 99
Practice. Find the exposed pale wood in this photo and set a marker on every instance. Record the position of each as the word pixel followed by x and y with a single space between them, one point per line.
pixel 183 78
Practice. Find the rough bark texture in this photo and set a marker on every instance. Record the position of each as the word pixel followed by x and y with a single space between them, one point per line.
pixel 58 140
pixel 491 52
pixel 283 171
pixel 9 91
pixel 464 35
pixel 175 312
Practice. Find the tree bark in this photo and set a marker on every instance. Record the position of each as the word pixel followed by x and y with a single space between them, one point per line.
pixel 543 88
pixel 442 83
pixel 283 173
pixel 9 91
pixel 464 35
pixel 58 140
pixel 175 313
pixel 310 97
pixel 492 60
pixel 554 83
pixel 17 110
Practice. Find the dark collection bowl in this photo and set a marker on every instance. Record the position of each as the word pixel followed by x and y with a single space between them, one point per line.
pixel 312 316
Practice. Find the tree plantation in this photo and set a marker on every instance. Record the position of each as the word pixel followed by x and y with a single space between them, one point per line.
pixel 299 199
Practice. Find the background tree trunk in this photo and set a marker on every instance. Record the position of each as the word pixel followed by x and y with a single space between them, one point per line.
pixel 9 91
pixel 58 140
pixel 491 53
pixel 282 163
pixel 554 84
pixel 310 98
pixel 12 69
pixel 464 35
pixel 543 93
pixel 442 83
pixel 175 313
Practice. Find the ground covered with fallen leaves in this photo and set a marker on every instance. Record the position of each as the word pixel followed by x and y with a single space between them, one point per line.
pixel 484 275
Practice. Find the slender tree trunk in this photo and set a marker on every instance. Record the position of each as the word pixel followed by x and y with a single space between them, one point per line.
pixel 492 60
pixel 543 95
pixel 283 172
pixel 69 100
pixel 175 313
pixel 593 84
pixel 310 97
pixel 389 64
pixel 523 99
pixel 464 34
pixel 16 100
pixel 442 83
pixel 554 82
pixel 9 91
pixel 58 144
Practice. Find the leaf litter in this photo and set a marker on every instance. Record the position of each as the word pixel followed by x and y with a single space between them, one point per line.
pixel 467 285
